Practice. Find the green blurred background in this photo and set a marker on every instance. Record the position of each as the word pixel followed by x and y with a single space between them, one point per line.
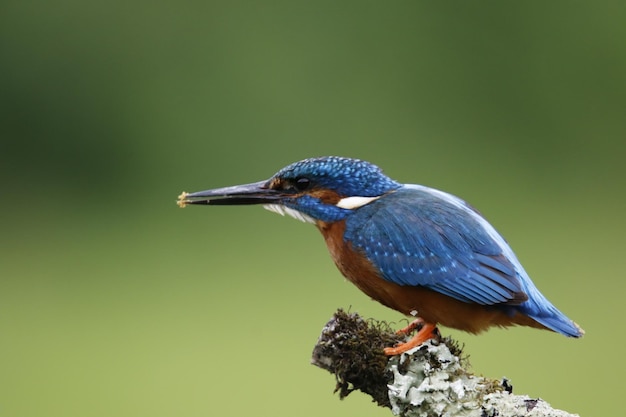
pixel 114 302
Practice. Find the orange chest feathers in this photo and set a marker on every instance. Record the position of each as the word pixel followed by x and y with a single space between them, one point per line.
pixel 355 266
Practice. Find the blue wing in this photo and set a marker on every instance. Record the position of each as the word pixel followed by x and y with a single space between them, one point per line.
pixel 417 236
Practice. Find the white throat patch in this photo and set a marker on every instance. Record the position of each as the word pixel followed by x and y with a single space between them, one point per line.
pixel 282 210
pixel 355 202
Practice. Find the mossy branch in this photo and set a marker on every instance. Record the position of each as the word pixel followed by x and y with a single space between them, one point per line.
pixel 431 380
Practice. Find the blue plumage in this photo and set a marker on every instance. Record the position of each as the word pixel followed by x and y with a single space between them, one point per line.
pixel 418 236
pixel 344 176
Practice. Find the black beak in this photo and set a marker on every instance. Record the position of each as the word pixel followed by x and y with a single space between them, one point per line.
pixel 255 193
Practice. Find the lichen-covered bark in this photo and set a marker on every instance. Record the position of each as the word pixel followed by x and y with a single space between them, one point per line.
pixel 430 380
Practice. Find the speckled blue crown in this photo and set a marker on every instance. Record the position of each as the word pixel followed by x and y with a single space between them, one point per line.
pixel 347 176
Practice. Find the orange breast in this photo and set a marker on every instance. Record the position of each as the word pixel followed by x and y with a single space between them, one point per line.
pixel 430 305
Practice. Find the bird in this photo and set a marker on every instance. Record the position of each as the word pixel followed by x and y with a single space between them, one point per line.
pixel 417 250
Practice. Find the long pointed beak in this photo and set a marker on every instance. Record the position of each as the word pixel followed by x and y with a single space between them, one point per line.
pixel 255 193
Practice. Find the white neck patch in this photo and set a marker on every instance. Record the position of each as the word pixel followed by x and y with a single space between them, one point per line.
pixel 354 202
pixel 282 210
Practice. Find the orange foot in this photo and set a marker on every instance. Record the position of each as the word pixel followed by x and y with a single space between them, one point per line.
pixel 426 332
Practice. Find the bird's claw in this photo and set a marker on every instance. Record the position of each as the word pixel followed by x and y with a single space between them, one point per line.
pixel 426 332
pixel 418 323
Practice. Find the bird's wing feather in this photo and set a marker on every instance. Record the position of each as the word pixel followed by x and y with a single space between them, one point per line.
pixel 417 236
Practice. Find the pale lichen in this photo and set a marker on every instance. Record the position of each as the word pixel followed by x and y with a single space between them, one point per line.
pixel 433 380
pixel 429 380
pixel 502 404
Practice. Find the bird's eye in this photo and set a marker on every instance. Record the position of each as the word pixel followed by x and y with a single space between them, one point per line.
pixel 302 184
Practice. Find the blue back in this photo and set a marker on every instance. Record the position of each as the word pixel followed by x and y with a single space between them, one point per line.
pixel 417 236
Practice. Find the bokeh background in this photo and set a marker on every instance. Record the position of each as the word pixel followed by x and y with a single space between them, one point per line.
pixel 114 302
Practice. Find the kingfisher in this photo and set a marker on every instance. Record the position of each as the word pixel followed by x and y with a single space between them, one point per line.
pixel 423 252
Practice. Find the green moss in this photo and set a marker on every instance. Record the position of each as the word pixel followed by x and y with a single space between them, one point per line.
pixel 352 349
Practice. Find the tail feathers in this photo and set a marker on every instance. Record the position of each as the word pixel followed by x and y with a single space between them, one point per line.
pixel 544 312
pixel 558 322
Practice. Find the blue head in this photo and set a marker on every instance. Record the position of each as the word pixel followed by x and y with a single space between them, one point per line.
pixel 324 189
